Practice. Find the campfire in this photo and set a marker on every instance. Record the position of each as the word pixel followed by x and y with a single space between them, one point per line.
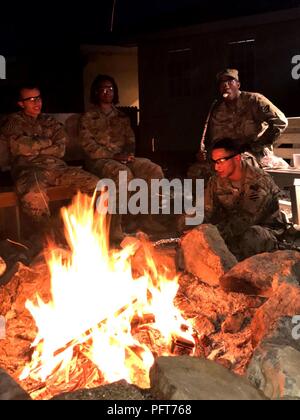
pixel 86 317
pixel 101 324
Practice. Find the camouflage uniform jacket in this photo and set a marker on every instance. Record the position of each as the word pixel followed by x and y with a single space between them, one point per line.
pixel 34 142
pixel 234 207
pixel 254 122
pixel 104 135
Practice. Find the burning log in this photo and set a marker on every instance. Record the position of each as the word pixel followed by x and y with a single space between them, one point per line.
pixel 86 336
pixel 100 323
pixel 140 320
pixel 181 346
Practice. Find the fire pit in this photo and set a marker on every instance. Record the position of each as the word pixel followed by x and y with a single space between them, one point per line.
pixel 98 323
pixel 85 316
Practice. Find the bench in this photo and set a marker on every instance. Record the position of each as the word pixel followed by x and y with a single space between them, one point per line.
pixel 289 142
pixel 9 199
pixel 74 156
pixel 286 146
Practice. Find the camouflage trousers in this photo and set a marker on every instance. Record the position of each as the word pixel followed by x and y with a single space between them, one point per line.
pixel 255 240
pixel 140 168
pixel 32 183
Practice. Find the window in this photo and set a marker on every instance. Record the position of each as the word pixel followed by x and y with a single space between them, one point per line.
pixel 179 73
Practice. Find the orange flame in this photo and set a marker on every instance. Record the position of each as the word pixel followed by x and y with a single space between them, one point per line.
pixel 94 301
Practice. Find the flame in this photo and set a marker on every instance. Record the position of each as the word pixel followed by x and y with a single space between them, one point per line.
pixel 94 302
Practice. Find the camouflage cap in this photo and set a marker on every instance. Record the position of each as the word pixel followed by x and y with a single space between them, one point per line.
pixel 232 73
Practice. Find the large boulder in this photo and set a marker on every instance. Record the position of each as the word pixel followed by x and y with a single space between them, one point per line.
pixel 20 326
pixel 11 390
pixel 206 255
pixel 120 390
pixel 263 273
pixel 285 302
pixel 190 378
pixel 2 266
pixel 274 368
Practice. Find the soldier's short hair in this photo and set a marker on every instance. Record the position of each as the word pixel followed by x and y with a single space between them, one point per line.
pixel 94 94
pixel 26 85
pixel 227 144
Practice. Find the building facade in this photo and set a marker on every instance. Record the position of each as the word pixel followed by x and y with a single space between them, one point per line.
pixel 177 71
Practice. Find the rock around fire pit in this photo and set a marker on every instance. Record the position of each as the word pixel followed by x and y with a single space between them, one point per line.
pixel 248 344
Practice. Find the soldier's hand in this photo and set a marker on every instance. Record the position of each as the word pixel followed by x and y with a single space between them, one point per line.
pixel 45 142
pixel 201 156
pixel 52 150
pixel 131 158
pixel 123 158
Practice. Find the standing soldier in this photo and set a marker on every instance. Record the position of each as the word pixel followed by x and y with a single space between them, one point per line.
pixel 109 145
pixel 249 119
pixel 37 145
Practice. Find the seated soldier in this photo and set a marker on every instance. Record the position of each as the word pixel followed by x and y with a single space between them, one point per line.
pixel 242 201
pixel 109 145
pixel 37 145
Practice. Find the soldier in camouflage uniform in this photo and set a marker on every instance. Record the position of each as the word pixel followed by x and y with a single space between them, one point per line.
pixel 109 145
pixel 242 201
pixel 37 145
pixel 249 119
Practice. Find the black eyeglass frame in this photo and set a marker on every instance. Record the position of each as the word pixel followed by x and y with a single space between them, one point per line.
pixel 224 159
pixel 107 89
pixel 32 99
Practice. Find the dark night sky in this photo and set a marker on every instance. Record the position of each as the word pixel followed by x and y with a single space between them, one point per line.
pixel 89 21
pixel 162 13
pixel 41 39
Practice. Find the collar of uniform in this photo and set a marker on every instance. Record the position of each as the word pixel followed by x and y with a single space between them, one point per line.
pixel 28 118
pixel 252 171
pixel 112 113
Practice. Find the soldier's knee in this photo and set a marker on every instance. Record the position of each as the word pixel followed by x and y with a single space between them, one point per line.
pixel 256 240
pixel 35 204
pixel 155 171
pixel 114 171
pixel 146 169
pixel 253 232
pixel 152 170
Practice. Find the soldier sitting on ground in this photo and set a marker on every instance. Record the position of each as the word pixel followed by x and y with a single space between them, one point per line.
pixel 37 145
pixel 109 145
pixel 242 201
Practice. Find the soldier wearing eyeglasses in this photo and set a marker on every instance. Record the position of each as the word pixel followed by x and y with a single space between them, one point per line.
pixel 37 145
pixel 242 201
pixel 109 145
